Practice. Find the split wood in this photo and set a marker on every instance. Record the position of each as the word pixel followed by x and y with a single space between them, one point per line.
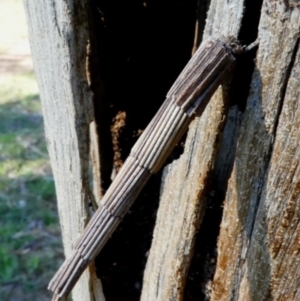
pixel 186 99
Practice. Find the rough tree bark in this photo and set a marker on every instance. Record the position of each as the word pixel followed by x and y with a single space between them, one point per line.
pixel 59 53
pixel 258 248
pixel 242 154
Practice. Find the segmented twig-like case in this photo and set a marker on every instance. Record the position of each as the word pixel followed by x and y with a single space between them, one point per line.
pixel 188 97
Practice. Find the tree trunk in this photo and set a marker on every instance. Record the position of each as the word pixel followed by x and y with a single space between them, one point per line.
pixel 258 247
pixel 59 51
pixel 94 70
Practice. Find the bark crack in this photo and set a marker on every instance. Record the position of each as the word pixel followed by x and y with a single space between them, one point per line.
pixel 54 14
pixel 284 87
pixel 269 154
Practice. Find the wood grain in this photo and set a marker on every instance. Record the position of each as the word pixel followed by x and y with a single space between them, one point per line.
pixel 58 32
pixel 259 241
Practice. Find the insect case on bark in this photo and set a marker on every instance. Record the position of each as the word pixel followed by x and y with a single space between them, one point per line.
pixel 186 99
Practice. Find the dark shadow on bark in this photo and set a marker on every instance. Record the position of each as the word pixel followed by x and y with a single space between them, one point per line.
pixel 249 203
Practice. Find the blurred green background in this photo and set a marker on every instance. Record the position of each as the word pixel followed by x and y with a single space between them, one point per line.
pixel 30 242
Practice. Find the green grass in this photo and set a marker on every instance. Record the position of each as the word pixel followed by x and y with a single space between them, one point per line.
pixel 30 244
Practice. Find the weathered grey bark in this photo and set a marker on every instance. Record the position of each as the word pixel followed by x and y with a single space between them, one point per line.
pixel 258 249
pixel 58 32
